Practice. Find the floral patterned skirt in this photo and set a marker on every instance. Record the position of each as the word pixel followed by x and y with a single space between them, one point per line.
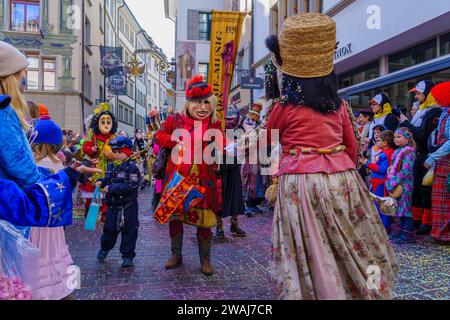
pixel 328 241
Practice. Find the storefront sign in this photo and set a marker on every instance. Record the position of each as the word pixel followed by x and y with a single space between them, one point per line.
pixel 343 51
pixel 250 82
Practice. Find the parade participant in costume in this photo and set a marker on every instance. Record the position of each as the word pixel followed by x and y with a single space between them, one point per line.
pixel 400 181
pixel 153 125
pixel 422 125
pixel 326 229
pixel 95 146
pixel 382 109
pixel 230 173
pixel 199 115
pixel 139 146
pixel 252 181
pixel 441 160
pixel 365 119
pixel 121 186
pixel 54 256
pixel 379 167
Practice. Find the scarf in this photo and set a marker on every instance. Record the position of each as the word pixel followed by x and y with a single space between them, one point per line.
pixel 428 103
pixel 387 109
pixel 424 107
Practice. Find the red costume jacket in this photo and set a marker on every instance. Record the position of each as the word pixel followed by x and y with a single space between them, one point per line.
pixel 206 173
pixel 307 128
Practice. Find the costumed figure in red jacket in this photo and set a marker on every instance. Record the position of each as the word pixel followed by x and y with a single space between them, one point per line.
pixel 95 148
pixel 197 116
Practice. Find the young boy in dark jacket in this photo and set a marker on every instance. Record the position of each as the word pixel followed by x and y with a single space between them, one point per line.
pixel 121 186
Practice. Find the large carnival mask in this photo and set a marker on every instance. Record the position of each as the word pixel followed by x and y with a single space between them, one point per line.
pixel 105 124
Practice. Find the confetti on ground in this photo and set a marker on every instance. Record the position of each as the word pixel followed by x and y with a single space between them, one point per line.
pixel 241 265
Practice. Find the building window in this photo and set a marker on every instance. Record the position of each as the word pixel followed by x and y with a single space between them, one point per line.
pixel 25 15
pixel 87 82
pixel 155 91
pixel 101 92
pixel 274 19
pixel 398 92
pixel 87 31
pixel 412 56
pixel 120 112
pixel 203 69
pixel 362 74
pixel 445 44
pixel 284 9
pixel 294 7
pixel 101 16
pixel 41 73
pixel 121 24
pixel 306 5
pixel 204 26
pixel 33 72
pixel 235 5
pixel 49 67
pixel 130 89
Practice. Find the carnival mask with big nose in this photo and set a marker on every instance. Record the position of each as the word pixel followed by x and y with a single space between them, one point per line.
pixel 105 124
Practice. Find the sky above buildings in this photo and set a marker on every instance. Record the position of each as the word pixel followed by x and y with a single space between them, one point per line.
pixel 151 17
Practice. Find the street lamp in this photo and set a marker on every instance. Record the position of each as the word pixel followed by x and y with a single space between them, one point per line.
pixel 136 68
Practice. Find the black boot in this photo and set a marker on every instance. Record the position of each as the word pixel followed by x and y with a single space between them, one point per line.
pixel 204 250
pixel 219 229
pixel 234 228
pixel 417 224
pixel 176 259
pixel 424 229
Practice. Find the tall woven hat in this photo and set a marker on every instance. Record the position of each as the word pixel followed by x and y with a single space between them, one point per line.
pixel 305 48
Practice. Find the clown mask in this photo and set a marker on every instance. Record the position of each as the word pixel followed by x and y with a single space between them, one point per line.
pixel 105 124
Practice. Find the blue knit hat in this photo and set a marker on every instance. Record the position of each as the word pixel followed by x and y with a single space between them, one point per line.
pixel 47 131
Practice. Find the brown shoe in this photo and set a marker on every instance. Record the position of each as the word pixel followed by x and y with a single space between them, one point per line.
pixel 207 269
pixel 174 261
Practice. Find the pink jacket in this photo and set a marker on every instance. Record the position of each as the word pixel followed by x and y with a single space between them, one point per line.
pixel 304 127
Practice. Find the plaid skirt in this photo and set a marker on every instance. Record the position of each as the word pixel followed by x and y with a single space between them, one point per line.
pixel 441 201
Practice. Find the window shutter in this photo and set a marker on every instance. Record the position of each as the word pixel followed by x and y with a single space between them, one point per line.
pixel 192 27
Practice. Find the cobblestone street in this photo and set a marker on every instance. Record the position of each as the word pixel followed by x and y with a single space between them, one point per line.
pixel 241 265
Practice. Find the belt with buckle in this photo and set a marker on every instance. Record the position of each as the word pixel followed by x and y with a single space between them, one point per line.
pixel 303 150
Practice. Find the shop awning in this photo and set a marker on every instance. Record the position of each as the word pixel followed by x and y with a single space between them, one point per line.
pixel 408 73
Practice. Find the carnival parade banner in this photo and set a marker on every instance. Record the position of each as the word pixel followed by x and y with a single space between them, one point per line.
pixel 226 29
pixel 117 81
pixel 111 59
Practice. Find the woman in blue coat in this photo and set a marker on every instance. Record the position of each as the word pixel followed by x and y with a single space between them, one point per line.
pixel 23 200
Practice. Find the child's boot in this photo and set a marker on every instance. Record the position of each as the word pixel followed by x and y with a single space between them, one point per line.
pixel 235 229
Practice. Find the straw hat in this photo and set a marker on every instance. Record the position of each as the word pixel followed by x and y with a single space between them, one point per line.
pixel 306 46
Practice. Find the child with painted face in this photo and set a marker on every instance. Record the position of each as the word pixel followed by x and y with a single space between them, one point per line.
pixel 401 173
pixel 197 116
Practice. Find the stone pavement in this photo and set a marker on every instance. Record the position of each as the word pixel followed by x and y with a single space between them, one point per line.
pixel 241 265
